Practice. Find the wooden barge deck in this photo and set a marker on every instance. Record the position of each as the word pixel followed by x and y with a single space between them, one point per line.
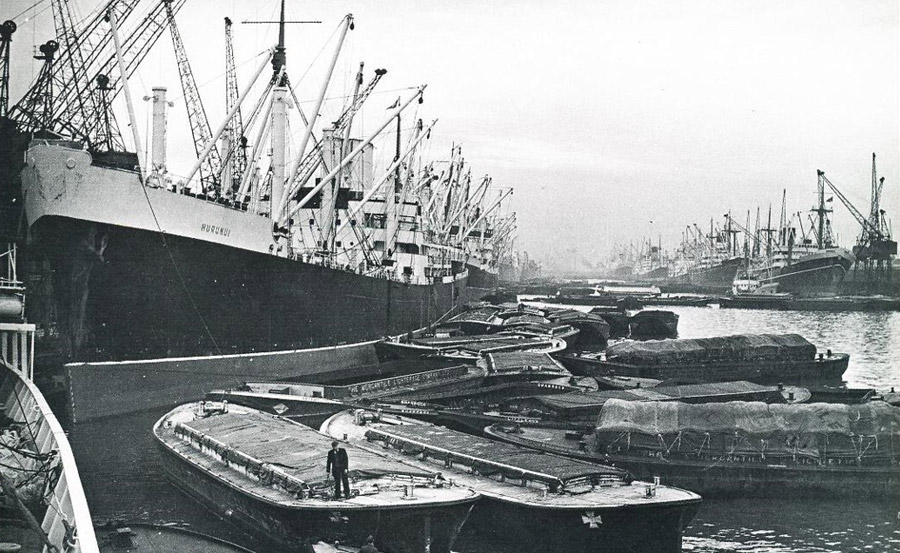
pixel 268 475
pixel 542 502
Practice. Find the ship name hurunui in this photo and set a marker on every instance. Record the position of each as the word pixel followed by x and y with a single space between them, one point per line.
pixel 221 231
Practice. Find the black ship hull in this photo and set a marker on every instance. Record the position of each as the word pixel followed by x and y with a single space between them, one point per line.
pixel 108 292
pixel 480 282
pixel 817 273
pixel 715 277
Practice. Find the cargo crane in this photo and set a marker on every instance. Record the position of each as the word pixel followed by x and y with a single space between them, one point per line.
pixel 736 228
pixel 236 152
pixel 6 31
pixel 874 247
pixel 211 167
pixel 313 158
pixel 81 102
pixel 135 48
pixel 80 110
pixel 44 117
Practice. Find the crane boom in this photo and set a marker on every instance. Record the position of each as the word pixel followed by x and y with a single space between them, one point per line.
pixel 238 155
pixel 313 158
pixel 200 129
pixel 6 31
pixel 74 72
pixel 870 230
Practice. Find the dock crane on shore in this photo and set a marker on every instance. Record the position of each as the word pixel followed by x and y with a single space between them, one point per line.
pixel 211 167
pixel 6 31
pixel 235 151
pixel 79 109
pixel 874 247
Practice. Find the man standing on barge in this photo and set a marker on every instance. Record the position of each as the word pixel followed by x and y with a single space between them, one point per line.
pixel 339 467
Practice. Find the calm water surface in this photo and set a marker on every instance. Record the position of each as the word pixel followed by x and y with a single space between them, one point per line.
pixel 121 471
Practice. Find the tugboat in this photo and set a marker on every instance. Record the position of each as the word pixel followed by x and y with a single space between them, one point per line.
pixel 268 475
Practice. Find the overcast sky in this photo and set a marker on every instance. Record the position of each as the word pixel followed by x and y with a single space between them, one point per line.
pixel 602 115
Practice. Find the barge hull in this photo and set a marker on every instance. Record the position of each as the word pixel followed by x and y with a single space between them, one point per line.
pixel 723 478
pixel 611 530
pixel 825 370
pixel 409 530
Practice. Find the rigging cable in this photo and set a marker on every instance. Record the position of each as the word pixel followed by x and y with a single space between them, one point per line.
pixel 190 296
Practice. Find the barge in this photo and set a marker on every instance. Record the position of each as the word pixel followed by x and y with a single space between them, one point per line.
pixel 539 502
pixel 466 348
pixel 267 474
pixel 739 449
pixel 759 358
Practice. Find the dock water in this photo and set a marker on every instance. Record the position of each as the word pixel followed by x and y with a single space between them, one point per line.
pixel 127 480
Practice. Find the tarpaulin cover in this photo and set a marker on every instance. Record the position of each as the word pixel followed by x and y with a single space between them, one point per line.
pixel 574 402
pixel 818 430
pixel 495 455
pixel 525 319
pixel 740 347
pixel 298 450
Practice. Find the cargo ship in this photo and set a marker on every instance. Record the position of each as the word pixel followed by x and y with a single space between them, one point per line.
pixel 241 255
pixel 805 264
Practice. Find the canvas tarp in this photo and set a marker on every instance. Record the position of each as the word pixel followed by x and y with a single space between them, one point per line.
pixel 817 430
pixel 740 347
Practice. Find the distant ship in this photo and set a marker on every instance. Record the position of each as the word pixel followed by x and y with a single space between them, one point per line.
pixel 707 261
pixel 713 272
pixel 809 265
pixel 127 262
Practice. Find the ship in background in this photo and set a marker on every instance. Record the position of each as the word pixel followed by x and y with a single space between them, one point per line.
pixel 803 263
pixel 244 253
pixel 465 214
pixel 706 261
pixel 652 264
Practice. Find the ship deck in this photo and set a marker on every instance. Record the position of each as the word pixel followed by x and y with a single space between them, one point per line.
pixel 500 468
pixel 299 452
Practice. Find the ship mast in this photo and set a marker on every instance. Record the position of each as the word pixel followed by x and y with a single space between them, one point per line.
pixel 390 202
pixel 822 239
pixel 280 105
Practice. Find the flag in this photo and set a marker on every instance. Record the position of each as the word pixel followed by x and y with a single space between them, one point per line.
pixel 830 199
pixel 396 104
